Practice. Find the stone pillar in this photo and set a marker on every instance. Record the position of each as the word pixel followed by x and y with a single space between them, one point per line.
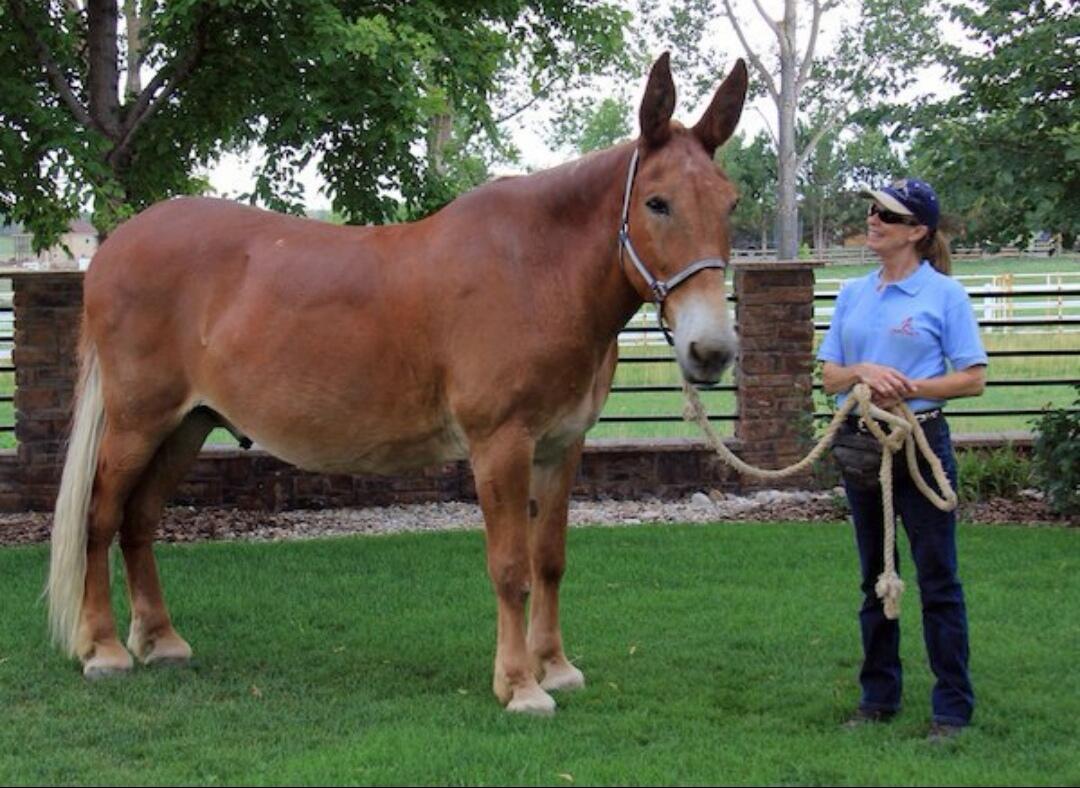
pixel 48 311
pixel 774 311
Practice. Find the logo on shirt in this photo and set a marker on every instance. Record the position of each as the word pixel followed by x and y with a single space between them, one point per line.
pixel 906 328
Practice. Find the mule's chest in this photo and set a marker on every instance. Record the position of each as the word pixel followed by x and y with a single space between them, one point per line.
pixel 575 416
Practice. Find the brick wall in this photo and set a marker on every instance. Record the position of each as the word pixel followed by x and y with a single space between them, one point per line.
pixel 610 468
pixel 48 312
pixel 775 317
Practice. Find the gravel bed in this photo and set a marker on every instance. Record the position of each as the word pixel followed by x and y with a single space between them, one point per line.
pixel 187 524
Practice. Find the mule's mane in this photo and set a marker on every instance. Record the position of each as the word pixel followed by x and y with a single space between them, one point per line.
pixel 576 184
pixel 579 183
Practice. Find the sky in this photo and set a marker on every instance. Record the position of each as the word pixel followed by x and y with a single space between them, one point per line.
pixel 234 174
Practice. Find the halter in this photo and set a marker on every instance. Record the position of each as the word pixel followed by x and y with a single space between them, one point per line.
pixel 660 289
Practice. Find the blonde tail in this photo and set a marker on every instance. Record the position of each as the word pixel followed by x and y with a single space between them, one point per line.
pixel 67 570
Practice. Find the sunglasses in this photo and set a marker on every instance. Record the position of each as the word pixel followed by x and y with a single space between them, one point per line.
pixel 891 217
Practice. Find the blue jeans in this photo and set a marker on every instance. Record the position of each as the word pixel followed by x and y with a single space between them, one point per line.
pixel 932 535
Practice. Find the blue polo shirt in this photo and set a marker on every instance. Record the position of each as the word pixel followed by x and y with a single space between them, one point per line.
pixel 919 326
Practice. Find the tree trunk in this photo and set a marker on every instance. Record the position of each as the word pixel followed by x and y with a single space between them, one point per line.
pixel 440 135
pixel 135 47
pixel 102 18
pixel 787 205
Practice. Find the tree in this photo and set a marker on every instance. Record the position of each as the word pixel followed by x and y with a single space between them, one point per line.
pixel 1005 152
pixel 899 33
pixel 359 85
pixel 593 127
pixel 869 159
pixel 752 168
pixel 880 44
pixel 837 167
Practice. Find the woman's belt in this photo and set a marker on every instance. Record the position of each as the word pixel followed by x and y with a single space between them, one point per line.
pixel 856 423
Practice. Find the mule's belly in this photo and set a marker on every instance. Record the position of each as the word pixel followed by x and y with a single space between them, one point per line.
pixel 350 453
pixel 388 445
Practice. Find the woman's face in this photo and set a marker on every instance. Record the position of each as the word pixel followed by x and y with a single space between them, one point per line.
pixel 884 238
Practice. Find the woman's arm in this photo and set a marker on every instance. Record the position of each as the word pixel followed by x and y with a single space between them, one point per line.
pixel 968 382
pixel 884 382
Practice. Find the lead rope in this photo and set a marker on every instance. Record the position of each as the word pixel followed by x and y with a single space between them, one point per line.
pixel 906 432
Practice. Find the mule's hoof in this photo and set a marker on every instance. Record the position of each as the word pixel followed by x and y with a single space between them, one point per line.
pixel 532 701
pixel 562 676
pixel 174 652
pixel 165 648
pixel 167 662
pixel 115 662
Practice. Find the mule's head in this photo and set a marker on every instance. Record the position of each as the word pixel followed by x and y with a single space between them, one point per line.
pixel 678 215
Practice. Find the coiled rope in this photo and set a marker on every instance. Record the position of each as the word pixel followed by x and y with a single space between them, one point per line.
pixel 906 433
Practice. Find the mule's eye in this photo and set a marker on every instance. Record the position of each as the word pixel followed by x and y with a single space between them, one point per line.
pixel 658 205
pixel 734 205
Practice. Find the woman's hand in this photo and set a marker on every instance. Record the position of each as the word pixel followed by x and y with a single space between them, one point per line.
pixel 885 403
pixel 886 383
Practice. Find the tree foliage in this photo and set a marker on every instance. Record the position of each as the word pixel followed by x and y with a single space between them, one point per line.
pixel 594 126
pixel 1005 152
pixel 354 84
pixel 752 168
pixel 839 165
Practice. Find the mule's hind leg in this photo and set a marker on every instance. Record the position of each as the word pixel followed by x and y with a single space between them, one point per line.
pixel 551 485
pixel 152 638
pixel 121 460
pixel 501 466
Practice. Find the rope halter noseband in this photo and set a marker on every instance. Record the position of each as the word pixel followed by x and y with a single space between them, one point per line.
pixel 660 289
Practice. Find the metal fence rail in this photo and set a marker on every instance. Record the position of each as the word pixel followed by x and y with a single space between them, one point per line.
pixel 7 367
pixel 642 331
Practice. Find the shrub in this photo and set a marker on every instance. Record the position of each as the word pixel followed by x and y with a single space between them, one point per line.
pixel 992 473
pixel 1057 457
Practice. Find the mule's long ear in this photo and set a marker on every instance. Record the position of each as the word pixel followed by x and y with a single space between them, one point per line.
pixel 720 119
pixel 658 103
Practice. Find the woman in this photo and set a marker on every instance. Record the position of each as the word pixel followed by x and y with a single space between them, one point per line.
pixel 908 331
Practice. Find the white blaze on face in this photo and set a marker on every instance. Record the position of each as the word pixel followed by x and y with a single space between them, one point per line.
pixel 705 343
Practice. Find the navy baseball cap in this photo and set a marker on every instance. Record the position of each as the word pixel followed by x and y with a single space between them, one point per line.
pixel 910 197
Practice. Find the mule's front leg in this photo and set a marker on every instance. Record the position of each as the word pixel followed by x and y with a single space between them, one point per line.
pixel 501 466
pixel 551 485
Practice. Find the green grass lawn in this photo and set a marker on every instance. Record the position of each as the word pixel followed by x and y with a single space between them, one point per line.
pixel 721 654
pixel 964 268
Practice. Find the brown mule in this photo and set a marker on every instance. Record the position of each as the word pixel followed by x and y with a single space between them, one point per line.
pixel 486 331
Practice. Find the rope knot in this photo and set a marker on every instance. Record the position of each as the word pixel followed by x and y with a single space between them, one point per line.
pixel 889 588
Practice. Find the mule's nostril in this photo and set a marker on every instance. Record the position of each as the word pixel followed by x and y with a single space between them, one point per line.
pixel 695 355
pixel 708 358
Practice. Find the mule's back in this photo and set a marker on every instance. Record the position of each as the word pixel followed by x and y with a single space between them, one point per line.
pixel 276 323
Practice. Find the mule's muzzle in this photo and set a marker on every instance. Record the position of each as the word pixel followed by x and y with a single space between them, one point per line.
pixel 703 363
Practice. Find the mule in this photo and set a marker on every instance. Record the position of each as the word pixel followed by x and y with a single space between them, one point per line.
pixel 486 331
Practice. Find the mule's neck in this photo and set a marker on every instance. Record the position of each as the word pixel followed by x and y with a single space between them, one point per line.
pixel 586 196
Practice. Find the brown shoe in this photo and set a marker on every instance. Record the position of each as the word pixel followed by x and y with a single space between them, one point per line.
pixel 943 731
pixel 863 717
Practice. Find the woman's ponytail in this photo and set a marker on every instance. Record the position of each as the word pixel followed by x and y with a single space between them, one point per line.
pixel 935 248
